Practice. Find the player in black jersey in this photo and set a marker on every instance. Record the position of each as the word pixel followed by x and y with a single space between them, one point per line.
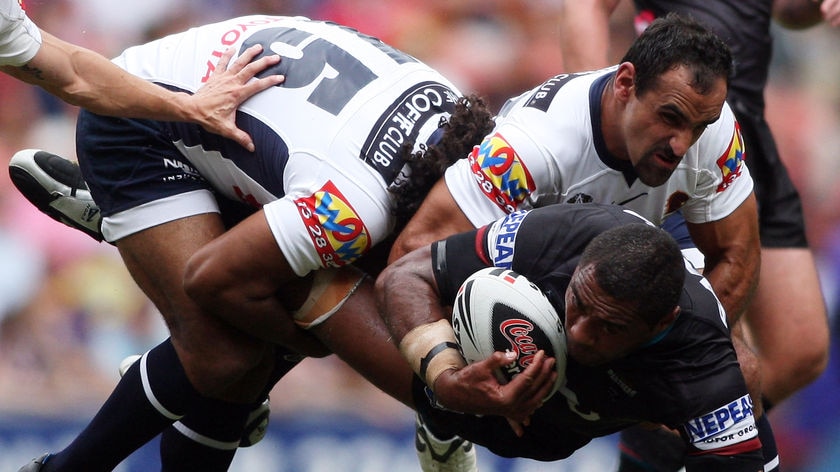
pixel 772 321
pixel 597 264
pixel 800 314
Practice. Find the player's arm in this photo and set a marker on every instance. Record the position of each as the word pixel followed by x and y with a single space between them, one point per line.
pixel 243 278
pixel 408 300
pixel 437 218
pixel 831 11
pixel 801 14
pixel 733 254
pixel 585 33
pixel 84 78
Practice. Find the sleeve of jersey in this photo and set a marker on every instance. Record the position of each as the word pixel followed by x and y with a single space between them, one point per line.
pixel 456 258
pixel 20 39
pixel 503 174
pixel 725 439
pixel 722 178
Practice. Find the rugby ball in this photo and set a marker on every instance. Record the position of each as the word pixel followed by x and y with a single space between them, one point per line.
pixel 499 310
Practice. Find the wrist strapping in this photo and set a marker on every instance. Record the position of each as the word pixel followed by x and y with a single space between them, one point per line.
pixel 431 349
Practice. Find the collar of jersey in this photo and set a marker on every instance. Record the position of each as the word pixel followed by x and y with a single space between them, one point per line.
pixel 661 335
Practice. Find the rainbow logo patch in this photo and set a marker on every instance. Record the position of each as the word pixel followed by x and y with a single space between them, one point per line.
pixel 337 232
pixel 500 173
pixel 732 161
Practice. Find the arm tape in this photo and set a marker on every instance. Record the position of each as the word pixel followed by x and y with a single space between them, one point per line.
pixel 418 345
pixel 425 361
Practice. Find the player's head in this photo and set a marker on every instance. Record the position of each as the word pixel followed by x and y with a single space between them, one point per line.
pixel 672 84
pixel 467 126
pixel 624 292
pixel 672 41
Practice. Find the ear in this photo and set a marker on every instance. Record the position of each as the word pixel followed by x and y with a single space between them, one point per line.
pixel 623 83
pixel 668 319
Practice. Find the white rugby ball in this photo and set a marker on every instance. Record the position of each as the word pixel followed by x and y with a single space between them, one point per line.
pixel 499 310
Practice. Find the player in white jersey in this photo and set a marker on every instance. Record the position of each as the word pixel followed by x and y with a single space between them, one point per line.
pixel 548 148
pixel 82 77
pixel 221 239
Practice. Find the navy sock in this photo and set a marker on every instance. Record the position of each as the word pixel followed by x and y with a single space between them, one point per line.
pixel 206 438
pixel 152 394
pixel 768 445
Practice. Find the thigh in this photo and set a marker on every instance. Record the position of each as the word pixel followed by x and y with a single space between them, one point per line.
pixel 214 355
pixel 788 310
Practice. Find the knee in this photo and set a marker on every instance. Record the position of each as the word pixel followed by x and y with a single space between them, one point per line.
pixel 811 361
pixel 213 370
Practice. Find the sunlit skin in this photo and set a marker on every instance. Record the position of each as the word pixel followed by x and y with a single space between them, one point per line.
pixel 654 130
pixel 600 329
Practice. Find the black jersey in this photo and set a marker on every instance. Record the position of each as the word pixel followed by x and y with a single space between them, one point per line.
pixel 688 378
pixel 744 25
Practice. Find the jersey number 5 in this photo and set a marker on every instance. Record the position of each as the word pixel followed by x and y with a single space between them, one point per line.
pixel 306 59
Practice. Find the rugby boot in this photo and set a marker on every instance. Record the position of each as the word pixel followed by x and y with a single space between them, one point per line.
pixel 435 455
pixel 56 187
pixel 36 464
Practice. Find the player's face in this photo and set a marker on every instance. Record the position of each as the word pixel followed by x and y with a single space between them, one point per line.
pixel 600 329
pixel 662 123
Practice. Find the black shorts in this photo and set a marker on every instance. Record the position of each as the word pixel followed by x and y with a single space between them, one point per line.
pixel 780 217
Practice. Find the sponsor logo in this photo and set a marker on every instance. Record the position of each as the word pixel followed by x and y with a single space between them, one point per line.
pixel 541 99
pixel 183 171
pixel 732 161
pixel 518 333
pixel 502 239
pixel 580 198
pixel 729 424
pixel 628 390
pixel 230 38
pixel 337 232
pixel 500 173
pixel 401 124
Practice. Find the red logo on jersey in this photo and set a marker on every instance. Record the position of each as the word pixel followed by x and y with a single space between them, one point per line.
pixel 337 232
pixel 500 173
pixel 732 161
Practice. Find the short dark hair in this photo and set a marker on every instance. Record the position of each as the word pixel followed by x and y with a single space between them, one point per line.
pixel 639 263
pixel 672 41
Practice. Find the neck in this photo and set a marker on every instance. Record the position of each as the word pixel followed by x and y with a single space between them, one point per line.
pixel 610 111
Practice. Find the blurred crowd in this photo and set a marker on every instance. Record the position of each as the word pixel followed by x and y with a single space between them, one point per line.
pixel 69 312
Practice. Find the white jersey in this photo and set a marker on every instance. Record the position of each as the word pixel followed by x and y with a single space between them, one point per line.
pixel 327 139
pixel 20 39
pixel 547 148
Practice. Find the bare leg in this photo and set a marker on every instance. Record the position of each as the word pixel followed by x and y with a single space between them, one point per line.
pixel 787 323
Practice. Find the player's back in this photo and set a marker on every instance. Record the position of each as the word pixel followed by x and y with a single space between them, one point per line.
pixel 348 102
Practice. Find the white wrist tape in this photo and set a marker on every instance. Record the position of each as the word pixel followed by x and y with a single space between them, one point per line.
pixel 431 349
